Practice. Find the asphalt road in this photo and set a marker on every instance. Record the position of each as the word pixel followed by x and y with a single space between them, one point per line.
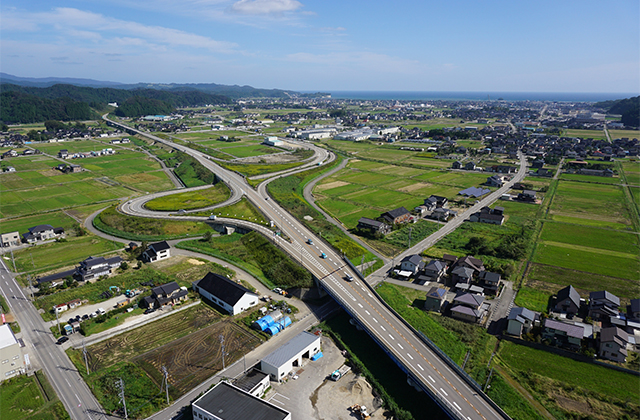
pixel 65 379
pixel 433 373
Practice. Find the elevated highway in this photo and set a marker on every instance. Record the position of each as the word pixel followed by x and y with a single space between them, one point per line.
pixel 427 368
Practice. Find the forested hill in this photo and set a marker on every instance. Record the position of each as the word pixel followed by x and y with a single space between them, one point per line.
pixel 629 109
pixel 24 104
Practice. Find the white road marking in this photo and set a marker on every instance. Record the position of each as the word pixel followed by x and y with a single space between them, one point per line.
pixel 400 345
pixel 367 312
pixel 376 321
pixel 421 368
pixel 432 380
pixel 411 357
pixel 457 406
pixel 390 336
pixel 360 305
pixel 382 328
pixel 444 392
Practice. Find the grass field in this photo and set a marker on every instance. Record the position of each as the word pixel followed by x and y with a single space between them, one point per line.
pixel 55 219
pixel 630 134
pixel 583 236
pixel 242 210
pixel 565 385
pixel 58 254
pixel 30 398
pixel 586 134
pixel 580 200
pixel 533 299
pixel 191 199
pixel 632 172
pixel 250 150
pixel 550 279
pixel 590 178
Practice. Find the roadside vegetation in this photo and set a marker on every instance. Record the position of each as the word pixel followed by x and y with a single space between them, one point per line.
pixel 190 200
pixel 255 254
pixel 146 229
pixel 30 398
pixel 242 210
pixel 253 169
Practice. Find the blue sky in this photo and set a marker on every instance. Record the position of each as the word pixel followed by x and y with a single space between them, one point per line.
pixel 520 46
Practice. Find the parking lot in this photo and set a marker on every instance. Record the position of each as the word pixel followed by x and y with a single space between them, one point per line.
pixel 314 396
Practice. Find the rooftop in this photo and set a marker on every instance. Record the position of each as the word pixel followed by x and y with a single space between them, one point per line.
pixel 290 349
pixel 227 402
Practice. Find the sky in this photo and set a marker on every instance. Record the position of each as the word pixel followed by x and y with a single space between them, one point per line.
pixel 328 45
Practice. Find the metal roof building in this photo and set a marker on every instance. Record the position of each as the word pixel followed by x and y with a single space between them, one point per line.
pixel 283 360
pixel 226 402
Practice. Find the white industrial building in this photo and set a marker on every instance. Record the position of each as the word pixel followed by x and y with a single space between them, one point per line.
pixel 316 134
pixel 11 361
pixel 289 356
pixel 273 141
pixel 227 402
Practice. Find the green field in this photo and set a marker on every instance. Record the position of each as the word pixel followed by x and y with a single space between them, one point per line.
pixel 55 219
pixel 596 391
pixel 533 299
pixel 191 199
pixel 586 134
pixel 630 134
pixel 590 178
pixel 23 398
pixel 593 202
pixel 242 210
pixel 59 254
pixel 250 150
pixel 583 236
pixel 589 260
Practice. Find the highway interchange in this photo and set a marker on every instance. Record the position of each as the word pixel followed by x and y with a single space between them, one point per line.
pixel 431 372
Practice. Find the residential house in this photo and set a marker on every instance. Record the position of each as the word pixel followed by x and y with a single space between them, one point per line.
pixel 489 281
pixel 412 263
pixel 603 305
pixel 468 307
pixel 435 270
pixel 399 215
pixel 435 201
pixel 470 166
pixel 544 172
pixel 93 268
pixel 10 239
pixel 9 169
pixel 527 196
pixel 163 295
pixel 443 214
pixel 613 344
pixel 231 296
pixel 41 233
pixel 456 165
pixel 489 215
pixel 470 262
pixel 420 210
pixel 495 181
pixel 435 299
pixel 520 320
pixel 373 226
pixel 157 251
pixel 449 260
pixel 567 301
pixel 63 154
pixel 562 334
pixel 461 274
pixel 633 309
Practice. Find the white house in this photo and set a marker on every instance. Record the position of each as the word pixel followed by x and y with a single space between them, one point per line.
pixel 157 251
pixel 11 360
pixel 228 294
pixel 412 263
pixel 290 355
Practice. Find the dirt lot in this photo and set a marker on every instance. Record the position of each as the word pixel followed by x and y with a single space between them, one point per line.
pixel 314 396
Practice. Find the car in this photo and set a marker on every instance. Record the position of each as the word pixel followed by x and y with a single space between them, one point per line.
pixel 348 277
pixel 149 311
pixel 62 340
pixel 323 255
pixel 266 198
pixel 277 290
pixel 85 317
pixel 309 241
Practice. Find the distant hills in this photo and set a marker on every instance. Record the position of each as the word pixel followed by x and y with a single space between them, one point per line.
pixel 232 91
pixel 628 108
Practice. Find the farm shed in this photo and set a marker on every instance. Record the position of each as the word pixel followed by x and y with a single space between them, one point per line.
pixel 228 294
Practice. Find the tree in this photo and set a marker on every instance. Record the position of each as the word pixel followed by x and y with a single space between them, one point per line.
pixel 53 125
pixel 124 265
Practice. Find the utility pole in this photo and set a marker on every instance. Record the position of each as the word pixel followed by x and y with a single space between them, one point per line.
pixel 165 382
pixel 410 227
pixel 13 260
pixel 58 320
pixel 120 386
pixel 222 345
pixel 84 353
pixel 30 289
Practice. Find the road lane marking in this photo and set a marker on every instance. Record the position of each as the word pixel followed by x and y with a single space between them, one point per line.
pixel 411 357
pixel 400 345
pixel 367 312
pixel 390 336
pixel 376 321
pixel 457 406
pixel 432 380
pixel 360 305
pixel 444 392
pixel 421 368
pixel 382 328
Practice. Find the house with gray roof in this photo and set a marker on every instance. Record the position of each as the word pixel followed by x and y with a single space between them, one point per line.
pixel 489 281
pixel 395 216
pixel 563 334
pixel 520 320
pixel 603 305
pixel 633 309
pixel 435 270
pixel 468 307
pixel 613 344
pixel 412 263
pixel 567 301
pixel 289 356
pixel 435 299
pixel 373 226
pixel 462 275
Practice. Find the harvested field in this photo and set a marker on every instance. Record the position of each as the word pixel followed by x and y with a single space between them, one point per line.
pixel 334 184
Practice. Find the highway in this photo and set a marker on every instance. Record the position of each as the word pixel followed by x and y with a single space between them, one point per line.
pixel 65 379
pixel 433 374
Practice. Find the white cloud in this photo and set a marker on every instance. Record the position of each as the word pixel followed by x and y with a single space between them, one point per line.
pixel 265 7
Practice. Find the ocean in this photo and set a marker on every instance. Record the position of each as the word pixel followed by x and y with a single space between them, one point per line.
pixel 480 96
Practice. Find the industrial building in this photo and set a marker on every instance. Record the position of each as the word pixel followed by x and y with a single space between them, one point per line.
pixel 227 402
pixel 11 360
pixel 289 356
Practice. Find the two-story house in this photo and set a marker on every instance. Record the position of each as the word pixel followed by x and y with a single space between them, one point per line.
pixel 95 267
pixel 563 334
pixel 163 295
pixel 435 270
pixel 157 251
pixel 567 301
pixel 613 344
pixel 412 263
pixel 520 321
pixel 603 305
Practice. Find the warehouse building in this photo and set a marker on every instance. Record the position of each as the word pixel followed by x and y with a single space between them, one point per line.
pixel 289 356
pixel 226 402
pixel 11 361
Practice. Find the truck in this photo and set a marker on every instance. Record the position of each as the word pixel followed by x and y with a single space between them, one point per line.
pixel 339 373
pixel 122 303
pixel 133 292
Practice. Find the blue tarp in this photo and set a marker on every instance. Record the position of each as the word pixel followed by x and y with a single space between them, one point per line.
pixel 316 356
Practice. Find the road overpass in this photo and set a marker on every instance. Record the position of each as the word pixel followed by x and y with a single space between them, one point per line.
pixel 428 369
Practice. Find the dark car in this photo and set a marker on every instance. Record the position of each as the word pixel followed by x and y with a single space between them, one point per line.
pixel 85 317
pixel 62 340
pixel 149 311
